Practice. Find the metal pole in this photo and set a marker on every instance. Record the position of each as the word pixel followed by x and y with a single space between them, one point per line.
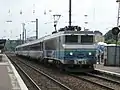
pixel 119 55
pixel 20 38
pixel 115 50
pixel 25 35
pixel 117 26
pixel 23 30
pixel 69 12
pixel 118 14
pixel 118 23
pixel 36 28
pixel 55 27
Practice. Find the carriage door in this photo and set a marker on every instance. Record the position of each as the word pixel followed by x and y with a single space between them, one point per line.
pixel 43 49
pixel 59 50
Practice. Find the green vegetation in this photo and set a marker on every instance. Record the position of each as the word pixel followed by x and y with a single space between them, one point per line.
pixel 110 38
pixel 111 41
pixel 11 44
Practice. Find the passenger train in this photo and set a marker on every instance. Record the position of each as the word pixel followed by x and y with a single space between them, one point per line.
pixel 69 49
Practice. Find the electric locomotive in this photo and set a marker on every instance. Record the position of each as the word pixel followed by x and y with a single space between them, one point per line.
pixel 69 49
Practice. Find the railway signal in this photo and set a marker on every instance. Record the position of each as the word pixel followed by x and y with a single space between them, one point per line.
pixel 115 30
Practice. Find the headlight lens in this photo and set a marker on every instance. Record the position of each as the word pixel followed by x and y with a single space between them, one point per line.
pixel 71 53
pixel 90 53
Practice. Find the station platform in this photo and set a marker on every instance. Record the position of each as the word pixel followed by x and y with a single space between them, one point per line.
pixel 108 69
pixel 9 77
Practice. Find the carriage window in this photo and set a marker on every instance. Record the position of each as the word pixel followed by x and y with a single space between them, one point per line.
pixel 87 39
pixel 35 47
pixel 71 38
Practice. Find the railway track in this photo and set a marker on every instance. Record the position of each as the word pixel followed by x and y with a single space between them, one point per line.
pixel 107 75
pixel 34 85
pixel 104 78
pixel 62 86
pixel 71 81
pixel 98 80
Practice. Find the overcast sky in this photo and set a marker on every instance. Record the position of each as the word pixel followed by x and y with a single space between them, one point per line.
pixel 102 15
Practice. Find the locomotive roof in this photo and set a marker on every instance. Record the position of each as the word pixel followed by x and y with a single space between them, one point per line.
pixel 56 35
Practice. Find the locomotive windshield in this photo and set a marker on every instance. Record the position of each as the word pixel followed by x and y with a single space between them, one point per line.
pixel 71 38
pixel 87 39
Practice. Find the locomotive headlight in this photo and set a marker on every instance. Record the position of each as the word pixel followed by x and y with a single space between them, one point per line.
pixel 71 53
pixel 90 53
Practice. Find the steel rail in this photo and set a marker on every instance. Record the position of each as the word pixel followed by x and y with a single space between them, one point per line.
pixel 37 87
pixel 85 79
pixel 44 74
pixel 104 78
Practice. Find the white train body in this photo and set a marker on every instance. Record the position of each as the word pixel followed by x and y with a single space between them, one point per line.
pixel 65 47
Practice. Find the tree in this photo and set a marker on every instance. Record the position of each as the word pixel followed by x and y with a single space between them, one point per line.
pixel 110 38
pixel 109 35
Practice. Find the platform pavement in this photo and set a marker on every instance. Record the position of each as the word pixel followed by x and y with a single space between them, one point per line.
pixel 9 77
pixel 108 69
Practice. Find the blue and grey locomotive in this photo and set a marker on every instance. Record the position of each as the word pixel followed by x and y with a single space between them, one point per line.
pixel 72 50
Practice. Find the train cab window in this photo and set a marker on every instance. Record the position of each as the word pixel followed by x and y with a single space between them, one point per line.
pixel 71 39
pixel 87 39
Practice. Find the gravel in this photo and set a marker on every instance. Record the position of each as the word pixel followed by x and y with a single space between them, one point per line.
pixel 104 82
pixel 28 83
pixel 72 82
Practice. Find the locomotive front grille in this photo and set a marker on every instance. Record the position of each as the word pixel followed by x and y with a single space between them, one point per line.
pixel 83 62
pixel 69 61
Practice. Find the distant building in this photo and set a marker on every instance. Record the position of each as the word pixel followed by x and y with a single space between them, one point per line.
pixel 98 36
